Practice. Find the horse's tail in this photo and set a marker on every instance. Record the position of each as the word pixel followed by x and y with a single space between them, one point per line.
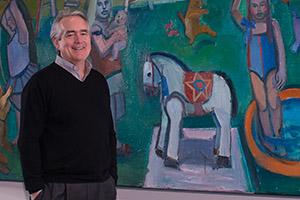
pixel 234 102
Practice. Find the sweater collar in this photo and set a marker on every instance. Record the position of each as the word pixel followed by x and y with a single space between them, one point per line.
pixel 73 69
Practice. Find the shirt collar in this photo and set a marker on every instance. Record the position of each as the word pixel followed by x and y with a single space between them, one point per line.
pixel 73 69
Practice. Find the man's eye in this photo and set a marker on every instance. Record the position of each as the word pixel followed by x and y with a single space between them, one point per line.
pixel 69 35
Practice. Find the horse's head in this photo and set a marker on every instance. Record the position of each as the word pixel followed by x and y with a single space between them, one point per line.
pixel 151 78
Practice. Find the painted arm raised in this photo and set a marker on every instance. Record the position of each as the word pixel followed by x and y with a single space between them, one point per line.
pixel 20 23
pixel 236 14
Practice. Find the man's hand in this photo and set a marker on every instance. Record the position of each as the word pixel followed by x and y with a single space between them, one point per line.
pixel 34 195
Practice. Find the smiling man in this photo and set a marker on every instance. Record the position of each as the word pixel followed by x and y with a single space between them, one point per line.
pixel 67 141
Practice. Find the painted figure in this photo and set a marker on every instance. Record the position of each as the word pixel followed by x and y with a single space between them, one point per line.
pixel 19 55
pixel 185 93
pixel 266 64
pixel 4 109
pixel 191 21
pixel 296 27
pixel 119 23
pixel 71 4
pixel 103 61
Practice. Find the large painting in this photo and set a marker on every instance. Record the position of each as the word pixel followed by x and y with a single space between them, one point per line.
pixel 205 94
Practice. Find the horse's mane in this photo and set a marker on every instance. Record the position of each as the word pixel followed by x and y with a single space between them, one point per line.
pixel 174 58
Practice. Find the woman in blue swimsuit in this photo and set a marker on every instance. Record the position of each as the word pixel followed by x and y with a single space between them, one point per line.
pixel 266 63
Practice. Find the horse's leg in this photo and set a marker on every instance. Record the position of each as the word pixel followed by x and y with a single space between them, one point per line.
pixel 217 137
pixel 159 147
pixel 223 155
pixel 220 103
pixel 174 109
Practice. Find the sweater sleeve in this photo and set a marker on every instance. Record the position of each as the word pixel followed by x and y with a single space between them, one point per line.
pixel 113 169
pixel 31 128
pixel 113 145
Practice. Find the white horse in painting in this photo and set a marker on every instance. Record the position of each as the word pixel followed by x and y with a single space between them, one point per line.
pixel 184 93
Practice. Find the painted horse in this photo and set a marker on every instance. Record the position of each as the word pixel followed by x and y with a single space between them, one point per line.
pixel 185 93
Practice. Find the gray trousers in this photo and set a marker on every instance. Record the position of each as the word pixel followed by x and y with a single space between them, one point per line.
pixel 79 191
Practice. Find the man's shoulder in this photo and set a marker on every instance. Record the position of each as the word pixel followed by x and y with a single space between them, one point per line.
pixel 97 74
pixel 43 75
pixel 46 71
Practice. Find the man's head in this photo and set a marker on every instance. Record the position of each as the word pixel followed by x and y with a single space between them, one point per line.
pixel 70 34
pixel 259 9
pixel 103 9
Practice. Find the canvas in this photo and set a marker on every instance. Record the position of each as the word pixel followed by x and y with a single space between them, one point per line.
pixel 204 93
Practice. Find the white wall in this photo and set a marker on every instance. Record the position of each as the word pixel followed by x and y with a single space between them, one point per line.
pixel 15 191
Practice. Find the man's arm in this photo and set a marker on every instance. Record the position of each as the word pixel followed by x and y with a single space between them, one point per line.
pixel 33 111
pixel 112 140
pixel 113 148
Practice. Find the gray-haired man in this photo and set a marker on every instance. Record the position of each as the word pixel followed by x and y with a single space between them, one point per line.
pixel 67 141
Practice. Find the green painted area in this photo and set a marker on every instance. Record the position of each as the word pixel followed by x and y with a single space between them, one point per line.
pixel 226 52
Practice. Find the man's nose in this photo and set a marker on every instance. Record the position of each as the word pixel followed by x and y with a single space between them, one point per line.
pixel 78 38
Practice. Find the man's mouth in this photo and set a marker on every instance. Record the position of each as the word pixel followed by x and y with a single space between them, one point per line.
pixel 78 48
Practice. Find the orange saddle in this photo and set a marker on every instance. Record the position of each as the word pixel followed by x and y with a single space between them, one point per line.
pixel 198 86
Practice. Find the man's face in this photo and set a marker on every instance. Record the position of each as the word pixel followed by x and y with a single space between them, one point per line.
pixel 258 9
pixel 103 8
pixel 74 43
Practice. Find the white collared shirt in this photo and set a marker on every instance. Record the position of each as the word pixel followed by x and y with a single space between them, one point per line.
pixel 73 69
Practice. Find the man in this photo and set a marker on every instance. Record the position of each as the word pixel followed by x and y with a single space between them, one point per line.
pixel 67 142
pixel 101 54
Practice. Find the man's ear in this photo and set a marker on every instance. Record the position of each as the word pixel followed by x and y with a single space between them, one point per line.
pixel 55 42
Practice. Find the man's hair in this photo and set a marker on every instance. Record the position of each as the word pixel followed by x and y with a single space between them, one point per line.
pixel 56 30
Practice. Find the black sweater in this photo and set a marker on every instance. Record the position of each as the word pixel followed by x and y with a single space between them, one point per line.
pixel 66 131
